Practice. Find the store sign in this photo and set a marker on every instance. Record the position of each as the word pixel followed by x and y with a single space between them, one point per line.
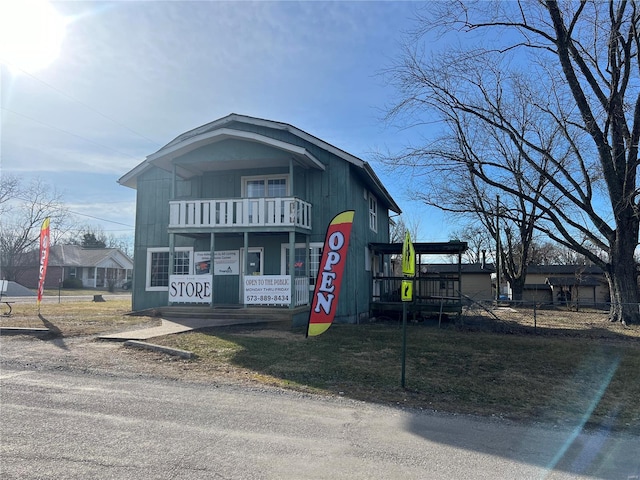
pixel 267 290
pixel 190 288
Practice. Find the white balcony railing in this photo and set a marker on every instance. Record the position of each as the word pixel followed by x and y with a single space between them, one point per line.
pixel 240 212
pixel 301 291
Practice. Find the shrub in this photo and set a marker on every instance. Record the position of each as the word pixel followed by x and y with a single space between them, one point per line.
pixel 72 283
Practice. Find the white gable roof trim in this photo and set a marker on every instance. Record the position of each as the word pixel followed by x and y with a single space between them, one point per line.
pixel 216 131
pixel 163 157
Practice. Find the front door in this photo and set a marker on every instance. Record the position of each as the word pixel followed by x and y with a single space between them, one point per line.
pixel 253 266
pixel 254 261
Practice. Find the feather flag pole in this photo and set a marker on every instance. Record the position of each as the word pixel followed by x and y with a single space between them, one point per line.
pixel 334 255
pixel 44 258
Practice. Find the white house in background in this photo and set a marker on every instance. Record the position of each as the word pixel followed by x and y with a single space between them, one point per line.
pixel 95 267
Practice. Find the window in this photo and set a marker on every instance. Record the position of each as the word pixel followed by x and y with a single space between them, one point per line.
pixel 373 213
pixel 158 266
pixel 72 272
pixel 315 255
pixel 267 186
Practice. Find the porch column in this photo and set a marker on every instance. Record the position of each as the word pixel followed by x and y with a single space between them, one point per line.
pixel 245 262
pixel 172 254
pixel 291 189
pixel 292 266
pixel 174 179
pixel 307 266
pixel 307 258
pixel 212 249
pixel 95 277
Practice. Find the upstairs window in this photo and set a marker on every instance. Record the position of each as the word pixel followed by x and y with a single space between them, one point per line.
pixel 267 186
pixel 373 213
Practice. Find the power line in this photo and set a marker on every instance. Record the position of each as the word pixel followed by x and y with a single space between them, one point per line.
pixel 101 219
pixel 67 132
pixel 89 107
pixel 17 197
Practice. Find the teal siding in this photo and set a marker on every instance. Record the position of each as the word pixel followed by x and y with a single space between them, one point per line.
pixel 339 187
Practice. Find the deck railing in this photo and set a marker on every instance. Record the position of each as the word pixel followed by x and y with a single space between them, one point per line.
pixel 240 212
pixel 301 291
pixel 427 290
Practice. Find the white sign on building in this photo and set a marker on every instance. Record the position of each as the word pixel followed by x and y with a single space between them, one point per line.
pixel 190 288
pixel 226 262
pixel 267 290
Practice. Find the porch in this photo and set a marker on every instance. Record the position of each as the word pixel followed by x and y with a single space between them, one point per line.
pixel 433 293
pixel 231 314
pixel 270 212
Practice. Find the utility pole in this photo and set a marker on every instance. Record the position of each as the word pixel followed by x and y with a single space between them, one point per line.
pixel 497 248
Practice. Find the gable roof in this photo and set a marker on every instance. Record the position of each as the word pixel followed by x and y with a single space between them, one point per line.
pixel 564 270
pixel 223 129
pixel 587 281
pixel 77 256
pixel 466 268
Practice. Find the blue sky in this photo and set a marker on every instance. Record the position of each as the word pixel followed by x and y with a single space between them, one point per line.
pixel 131 76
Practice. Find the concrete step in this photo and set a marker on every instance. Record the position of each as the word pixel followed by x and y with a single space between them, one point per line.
pixel 249 313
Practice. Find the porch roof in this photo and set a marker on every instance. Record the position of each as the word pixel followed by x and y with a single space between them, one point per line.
pixel 433 248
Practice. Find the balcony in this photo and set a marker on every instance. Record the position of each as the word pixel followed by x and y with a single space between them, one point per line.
pixel 240 213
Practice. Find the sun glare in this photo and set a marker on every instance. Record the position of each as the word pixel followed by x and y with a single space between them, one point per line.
pixel 31 34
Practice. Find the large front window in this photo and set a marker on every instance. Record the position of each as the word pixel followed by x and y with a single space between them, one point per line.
pixel 158 266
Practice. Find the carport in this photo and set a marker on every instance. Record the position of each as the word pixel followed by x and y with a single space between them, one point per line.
pixel 433 293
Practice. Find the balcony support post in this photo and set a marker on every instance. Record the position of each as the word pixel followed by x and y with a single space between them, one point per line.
pixel 292 266
pixel 212 251
pixel 245 263
pixel 172 256
pixel 291 189
pixel 174 176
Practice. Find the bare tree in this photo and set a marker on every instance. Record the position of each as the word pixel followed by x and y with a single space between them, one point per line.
pixel 557 84
pixel 479 241
pixel 549 253
pixel 401 225
pixel 8 188
pixel 25 209
pixel 94 236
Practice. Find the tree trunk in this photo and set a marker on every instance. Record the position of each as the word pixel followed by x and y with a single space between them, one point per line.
pixel 517 288
pixel 622 276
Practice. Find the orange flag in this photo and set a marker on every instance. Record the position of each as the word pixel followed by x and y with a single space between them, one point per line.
pixel 334 256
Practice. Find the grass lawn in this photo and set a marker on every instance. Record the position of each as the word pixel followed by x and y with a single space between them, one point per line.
pixel 569 373
pixel 74 318
pixel 563 379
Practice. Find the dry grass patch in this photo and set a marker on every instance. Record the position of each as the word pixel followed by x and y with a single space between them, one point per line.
pixel 76 318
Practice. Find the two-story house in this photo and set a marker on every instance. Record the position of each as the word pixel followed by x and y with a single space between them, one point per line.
pixel 234 213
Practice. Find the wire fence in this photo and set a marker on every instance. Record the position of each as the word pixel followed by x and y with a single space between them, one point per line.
pixel 509 315
pixel 518 317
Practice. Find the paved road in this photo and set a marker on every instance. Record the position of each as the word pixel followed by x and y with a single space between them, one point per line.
pixel 64 420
